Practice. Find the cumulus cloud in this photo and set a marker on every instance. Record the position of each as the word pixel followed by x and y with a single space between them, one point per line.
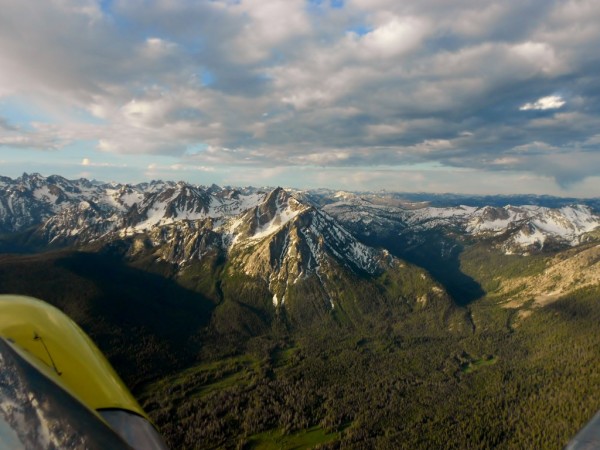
pixel 46 136
pixel 40 137
pixel 275 83
pixel 87 162
pixel 395 37
pixel 549 102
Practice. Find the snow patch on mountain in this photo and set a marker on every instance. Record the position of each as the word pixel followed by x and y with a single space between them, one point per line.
pixel 282 216
pixel 43 193
pixel 247 215
pixel 518 227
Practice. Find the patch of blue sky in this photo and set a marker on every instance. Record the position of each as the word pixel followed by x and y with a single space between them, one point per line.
pixel 316 8
pixel 124 160
pixel 266 76
pixel 83 116
pixel 228 2
pixel 111 14
pixel 106 6
pixel 19 114
pixel 17 160
pixel 195 149
pixel 417 167
pixel 207 78
pixel 68 153
pixel 277 57
pixel 361 30
pixel 81 159
pixel 321 4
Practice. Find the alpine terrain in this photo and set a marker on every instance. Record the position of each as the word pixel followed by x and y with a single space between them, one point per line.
pixel 280 318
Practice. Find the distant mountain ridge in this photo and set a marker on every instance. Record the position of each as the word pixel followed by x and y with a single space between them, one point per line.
pixel 454 200
pixel 257 252
pixel 515 229
pixel 66 212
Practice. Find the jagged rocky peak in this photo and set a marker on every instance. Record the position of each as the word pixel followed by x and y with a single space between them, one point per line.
pixel 55 189
pixel 324 235
pixel 278 201
pixel 305 242
pixel 31 199
pixel 167 202
pixel 276 209
pixel 185 199
pixel 181 242
pixel 26 182
pixel 123 196
pixel 311 252
pixel 233 194
pixel 81 222
pixel 57 179
pixel 155 185
pixel 30 177
pixel 493 213
pixel 214 189
pixel 37 181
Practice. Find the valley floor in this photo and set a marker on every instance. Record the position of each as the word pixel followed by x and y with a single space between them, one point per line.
pixel 404 386
pixel 487 374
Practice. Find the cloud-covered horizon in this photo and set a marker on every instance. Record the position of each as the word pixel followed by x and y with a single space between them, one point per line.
pixel 266 86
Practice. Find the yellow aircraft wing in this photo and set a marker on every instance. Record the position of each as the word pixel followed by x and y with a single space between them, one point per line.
pixel 37 338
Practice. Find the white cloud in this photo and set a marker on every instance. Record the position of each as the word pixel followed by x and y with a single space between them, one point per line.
pixel 538 57
pixel 544 103
pixel 188 167
pixel 293 85
pixel 323 158
pixel 398 36
pixel 271 24
pixel 505 161
pixel 535 147
pixel 478 21
pixel 86 162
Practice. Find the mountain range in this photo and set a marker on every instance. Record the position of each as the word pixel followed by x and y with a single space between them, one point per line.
pixel 207 287
pixel 81 211
pixel 280 236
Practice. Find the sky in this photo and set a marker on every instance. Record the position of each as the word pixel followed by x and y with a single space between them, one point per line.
pixel 464 96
